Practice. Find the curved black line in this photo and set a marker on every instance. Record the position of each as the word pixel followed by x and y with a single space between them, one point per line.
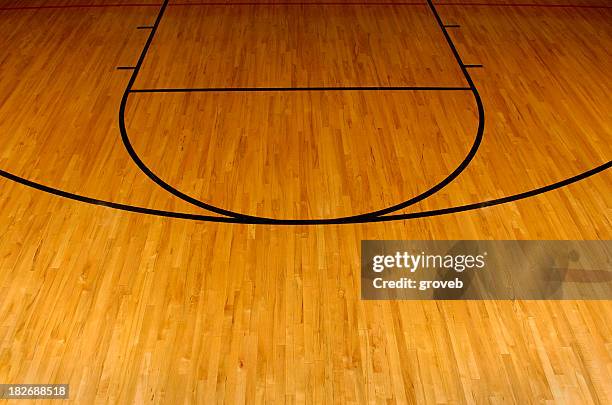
pixel 166 186
pixel 479 133
pixel 388 218
pixel 126 140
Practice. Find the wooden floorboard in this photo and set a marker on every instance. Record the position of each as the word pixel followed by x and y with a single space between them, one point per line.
pixel 134 308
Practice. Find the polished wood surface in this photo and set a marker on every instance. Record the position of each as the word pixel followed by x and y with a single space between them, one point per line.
pixel 320 154
pixel 131 308
pixel 548 112
pixel 299 46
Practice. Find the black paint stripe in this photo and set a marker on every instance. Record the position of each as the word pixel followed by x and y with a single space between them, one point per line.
pixel 270 89
pixel 504 200
pixel 388 218
pixel 470 4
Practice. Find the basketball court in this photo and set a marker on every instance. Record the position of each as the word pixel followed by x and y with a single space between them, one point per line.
pixel 185 186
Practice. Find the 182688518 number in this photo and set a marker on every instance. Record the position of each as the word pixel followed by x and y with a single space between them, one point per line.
pixel 34 391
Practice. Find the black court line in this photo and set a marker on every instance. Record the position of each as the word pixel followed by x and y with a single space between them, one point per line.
pixel 361 219
pixel 388 218
pixel 473 66
pixel 144 27
pixel 272 89
pixel 381 3
pixel 452 26
pixel 300 3
pixel 470 4
pixel 72 6
pixel 125 68
pixel 166 186
pixel 485 4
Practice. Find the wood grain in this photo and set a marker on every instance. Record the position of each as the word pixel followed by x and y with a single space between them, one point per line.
pixel 129 308
pixel 299 46
pixel 308 155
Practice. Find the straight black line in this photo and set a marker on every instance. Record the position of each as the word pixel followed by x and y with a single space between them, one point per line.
pixel 299 3
pixel 473 66
pixel 454 50
pixel 496 4
pixel 256 89
pixel 458 4
pixel 452 26
pixel 145 49
pixel 68 6
pixel 144 27
pixel 125 68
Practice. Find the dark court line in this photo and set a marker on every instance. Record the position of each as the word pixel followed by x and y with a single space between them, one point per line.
pixel 125 67
pixel 73 6
pixel 78 6
pixel 452 26
pixel 144 27
pixel 473 66
pixel 386 3
pixel 388 218
pixel 298 3
pixel 271 89
pixel 463 4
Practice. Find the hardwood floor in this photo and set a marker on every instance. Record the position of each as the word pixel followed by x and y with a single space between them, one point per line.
pixel 135 308
pixel 299 46
pixel 320 154
pixel 547 111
